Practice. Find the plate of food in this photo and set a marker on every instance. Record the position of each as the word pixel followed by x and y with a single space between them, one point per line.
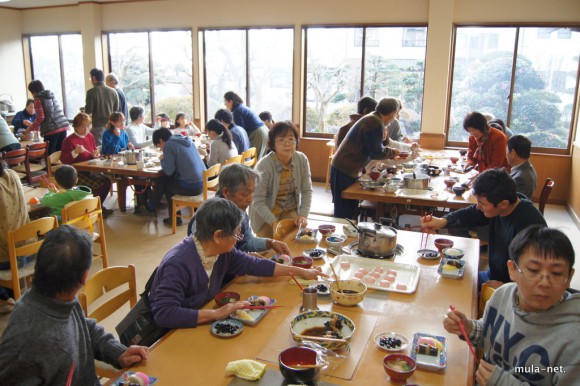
pixel 251 317
pixel 227 328
pixel 306 235
pixel 323 288
pixel 451 268
pixel 391 341
pixel 315 253
pixel 429 351
pixel 129 377
pixel 428 254
pixel 281 259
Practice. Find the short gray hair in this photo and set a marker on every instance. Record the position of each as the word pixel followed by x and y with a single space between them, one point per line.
pixel 237 176
pixel 387 106
pixel 112 77
pixel 217 214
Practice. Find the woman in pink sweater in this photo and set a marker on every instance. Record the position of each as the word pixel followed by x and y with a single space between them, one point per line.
pixel 80 146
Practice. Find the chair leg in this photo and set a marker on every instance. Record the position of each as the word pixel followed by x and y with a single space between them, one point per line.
pixel 173 216
pixel 327 185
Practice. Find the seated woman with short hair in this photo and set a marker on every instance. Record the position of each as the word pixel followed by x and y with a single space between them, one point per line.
pixel 192 272
pixel 487 145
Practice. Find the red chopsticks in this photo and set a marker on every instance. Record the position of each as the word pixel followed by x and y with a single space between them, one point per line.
pixel 260 307
pixel 296 281
pixel 425 231
pixel 70 374
pixel 462 328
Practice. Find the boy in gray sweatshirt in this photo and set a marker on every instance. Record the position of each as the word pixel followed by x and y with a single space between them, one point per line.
pixel 529 330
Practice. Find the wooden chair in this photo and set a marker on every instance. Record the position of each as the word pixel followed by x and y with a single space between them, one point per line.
pixel 101 289
pixel 330 155
pixel 210 180
pixel 87 214
pixel 24 241
pixel 15 159
pixel 485 295
pixel 33 164
pixel 249 157
pixel 233 160
pixel 282 228
pixel 55 162
pixel 546 190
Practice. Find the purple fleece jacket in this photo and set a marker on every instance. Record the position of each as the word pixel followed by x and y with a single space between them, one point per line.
pixel 181 286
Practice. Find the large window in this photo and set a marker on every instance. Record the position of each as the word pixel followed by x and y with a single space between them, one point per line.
pixel 345 63
pixel 254 63
pixel 57 61
pixel 526 76
pixel 155 70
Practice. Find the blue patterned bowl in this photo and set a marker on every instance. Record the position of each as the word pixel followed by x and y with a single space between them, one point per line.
pixel 306 321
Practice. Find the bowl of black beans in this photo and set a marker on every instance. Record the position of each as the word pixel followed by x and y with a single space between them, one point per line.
pixel 227 328
pixel 391 341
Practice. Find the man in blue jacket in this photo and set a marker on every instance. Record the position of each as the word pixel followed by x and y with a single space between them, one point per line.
pixel 182 166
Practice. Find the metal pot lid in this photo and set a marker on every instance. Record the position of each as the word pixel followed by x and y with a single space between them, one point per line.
pixel 381 230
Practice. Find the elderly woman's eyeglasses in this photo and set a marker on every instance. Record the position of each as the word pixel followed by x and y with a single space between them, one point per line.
pixel 286 141
pixel 239 236
pixel 532 275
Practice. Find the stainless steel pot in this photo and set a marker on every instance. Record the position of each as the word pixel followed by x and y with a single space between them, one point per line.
pixel 131 157
pixel 416 181
pixel 376 240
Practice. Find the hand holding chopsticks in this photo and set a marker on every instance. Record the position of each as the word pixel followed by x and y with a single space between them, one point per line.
pixel 425 231
pixel 465 336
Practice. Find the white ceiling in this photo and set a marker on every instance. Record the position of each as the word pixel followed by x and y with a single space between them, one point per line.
pixel 47 3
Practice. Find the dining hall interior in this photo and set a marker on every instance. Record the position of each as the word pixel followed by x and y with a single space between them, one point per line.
pixel 441 40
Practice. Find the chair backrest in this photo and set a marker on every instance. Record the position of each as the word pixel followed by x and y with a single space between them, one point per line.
pixel 485 295
pixel 103 282
pixel 233 160
pixel 211 179
pixel 76 209
pixel 14 157
pixel 37 152
pixel 249 157
pixel 282 228
pixel 548 185
pixel 26 241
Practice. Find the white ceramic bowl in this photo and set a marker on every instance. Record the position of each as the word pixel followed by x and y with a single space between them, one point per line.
pixel 335 241
pixel 307 320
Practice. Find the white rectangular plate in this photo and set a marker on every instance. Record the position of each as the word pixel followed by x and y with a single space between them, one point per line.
pixel 438 362
pixel 406 273
pixel 451 274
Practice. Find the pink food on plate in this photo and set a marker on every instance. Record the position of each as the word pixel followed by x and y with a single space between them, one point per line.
pixel 390 278
pixel 374 274
pixel 402 287
pixel 385 283
pixel 344 265
pixel 364 271
pixel 379 269
pixel 359 275
pixel 392 272
pixel 370 280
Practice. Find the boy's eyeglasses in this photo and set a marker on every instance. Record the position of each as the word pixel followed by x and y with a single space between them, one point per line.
pixel 238 236
pixel 556 278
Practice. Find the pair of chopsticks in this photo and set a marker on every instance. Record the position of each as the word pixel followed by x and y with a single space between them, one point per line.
pixel 462 328
pixel 259 307
pixel 320 338
pixel 426 231
pixel 49 184
pixel 296 281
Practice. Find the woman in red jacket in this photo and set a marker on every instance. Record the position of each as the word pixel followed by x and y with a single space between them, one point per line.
pixel 487 146
pixel 80 146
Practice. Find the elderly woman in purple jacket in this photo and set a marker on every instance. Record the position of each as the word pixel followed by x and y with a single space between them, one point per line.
pixel 191 273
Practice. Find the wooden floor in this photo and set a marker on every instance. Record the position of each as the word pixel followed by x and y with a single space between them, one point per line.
pixel 143 240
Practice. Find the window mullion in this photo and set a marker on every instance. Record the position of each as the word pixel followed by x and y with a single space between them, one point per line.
pixel 513 78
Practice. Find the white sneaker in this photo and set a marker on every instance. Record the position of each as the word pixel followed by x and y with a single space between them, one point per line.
pixel 6 306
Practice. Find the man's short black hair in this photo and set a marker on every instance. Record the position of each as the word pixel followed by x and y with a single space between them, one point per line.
pixel 495 185
pixel 549 243
pixel 162 133
pixel 266 116
pixel 66 176
pixel 366 105
pixel 63 259
pixel 224 115
pixel 522 145
pixel 98 74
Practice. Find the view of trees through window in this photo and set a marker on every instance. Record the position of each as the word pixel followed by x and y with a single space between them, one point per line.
pixel 393 59
pixel 544 80
pixel 46 67
pixel 251 62
pixel 171 65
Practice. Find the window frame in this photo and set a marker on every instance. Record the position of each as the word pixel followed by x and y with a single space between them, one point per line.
pixel 575 115
pixel 246 29
pixel 106 41
pixel 304 31
pixel 28 45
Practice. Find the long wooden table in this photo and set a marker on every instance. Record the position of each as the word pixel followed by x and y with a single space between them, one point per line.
pixel 186 355
pixel 122 173
pixel 35 211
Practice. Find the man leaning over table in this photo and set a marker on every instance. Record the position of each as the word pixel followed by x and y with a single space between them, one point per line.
pixel 192 272
pixel 182 167
pixel 48 339
pixel 363 142
pixel 500 207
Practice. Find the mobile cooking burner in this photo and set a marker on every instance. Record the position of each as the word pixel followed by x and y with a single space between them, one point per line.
pixel 352 249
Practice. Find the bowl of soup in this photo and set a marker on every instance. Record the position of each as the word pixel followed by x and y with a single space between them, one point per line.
pixel 347 292
pixel 224 298
pixel 297 365
pixel 302 261
pixel 399 366
pixel 329 329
